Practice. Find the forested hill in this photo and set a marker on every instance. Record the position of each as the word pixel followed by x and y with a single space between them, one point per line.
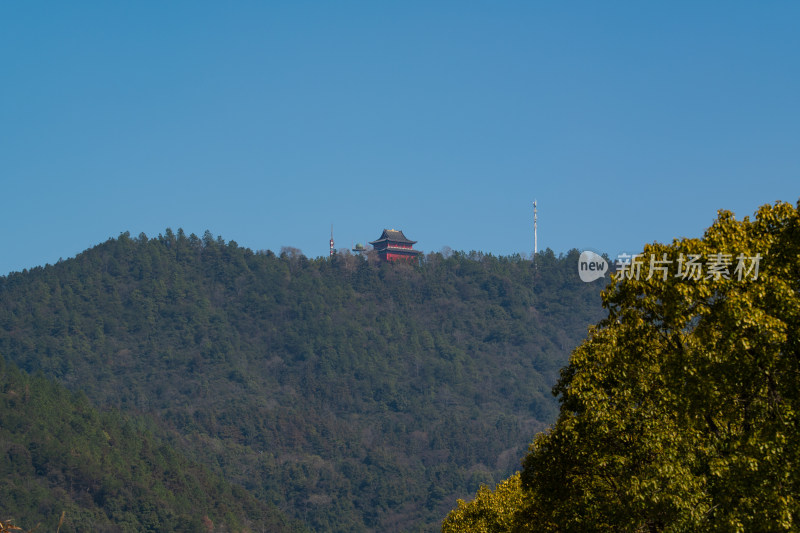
pixel 352 395
pixel 62 459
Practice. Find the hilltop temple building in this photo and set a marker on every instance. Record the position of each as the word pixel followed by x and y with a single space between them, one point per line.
pixel 392 245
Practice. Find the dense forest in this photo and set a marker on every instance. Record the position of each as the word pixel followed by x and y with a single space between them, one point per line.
pixel 343 393
pixel 106 471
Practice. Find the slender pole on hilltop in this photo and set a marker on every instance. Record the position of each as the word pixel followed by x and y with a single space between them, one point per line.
pixel 535 241
pixel 535 230
pixel 332 250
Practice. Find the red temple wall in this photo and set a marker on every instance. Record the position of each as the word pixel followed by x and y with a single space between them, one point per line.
pixel 399 257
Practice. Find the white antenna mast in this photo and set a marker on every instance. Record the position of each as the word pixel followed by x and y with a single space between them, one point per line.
pixel 535 229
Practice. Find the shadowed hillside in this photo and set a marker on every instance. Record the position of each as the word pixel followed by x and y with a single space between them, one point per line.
pixel 106 471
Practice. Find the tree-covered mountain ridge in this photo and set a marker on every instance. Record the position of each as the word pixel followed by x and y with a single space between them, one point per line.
pixel 351 394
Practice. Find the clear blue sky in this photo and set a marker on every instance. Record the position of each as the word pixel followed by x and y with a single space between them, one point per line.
pixel 265 122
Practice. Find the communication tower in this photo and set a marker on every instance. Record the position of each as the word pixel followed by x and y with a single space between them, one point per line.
pixel 535 230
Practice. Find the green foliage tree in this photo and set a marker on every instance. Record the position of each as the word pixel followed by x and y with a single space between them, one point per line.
pixel 490 511
pixel 680 412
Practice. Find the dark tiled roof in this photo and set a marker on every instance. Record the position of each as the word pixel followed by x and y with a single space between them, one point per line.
pixel 393 235
pixel 401 251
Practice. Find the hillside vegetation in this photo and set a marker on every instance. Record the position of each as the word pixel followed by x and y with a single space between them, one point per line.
pixel 352 395
pixel 106 471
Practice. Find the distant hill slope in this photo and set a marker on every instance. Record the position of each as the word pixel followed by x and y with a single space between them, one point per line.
pixel 355 396
pixel 106 471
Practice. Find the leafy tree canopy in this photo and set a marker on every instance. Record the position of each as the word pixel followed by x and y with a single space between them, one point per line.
pixel 490 511
pixel 680 411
